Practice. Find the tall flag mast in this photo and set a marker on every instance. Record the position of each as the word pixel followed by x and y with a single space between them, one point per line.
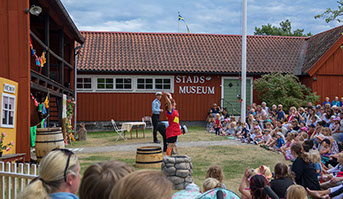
pixel 244 62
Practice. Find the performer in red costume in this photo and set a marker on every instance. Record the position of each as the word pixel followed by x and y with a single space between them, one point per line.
pixel 173 129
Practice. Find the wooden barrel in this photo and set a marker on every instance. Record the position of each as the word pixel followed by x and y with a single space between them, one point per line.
pixel 48 139
pixel 149 157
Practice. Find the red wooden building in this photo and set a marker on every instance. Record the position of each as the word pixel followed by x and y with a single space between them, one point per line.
pixel 53 32
pixel 119 72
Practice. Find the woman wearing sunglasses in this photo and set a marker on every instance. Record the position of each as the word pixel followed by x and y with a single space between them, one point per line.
pixel 59 177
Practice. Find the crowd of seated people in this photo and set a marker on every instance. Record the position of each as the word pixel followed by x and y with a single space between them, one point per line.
pixel 309 137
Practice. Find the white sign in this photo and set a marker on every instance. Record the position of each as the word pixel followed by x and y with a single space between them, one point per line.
pixel 64 106
pixel 9 88
pixel 183 79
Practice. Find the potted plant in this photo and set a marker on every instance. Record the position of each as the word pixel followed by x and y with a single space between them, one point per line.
pixel 3 146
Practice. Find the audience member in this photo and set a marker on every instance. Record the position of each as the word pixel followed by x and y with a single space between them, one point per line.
pixel 99 179
pixel 59 177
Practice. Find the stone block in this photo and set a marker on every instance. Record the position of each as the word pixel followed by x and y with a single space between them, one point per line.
pixel 189 179
pixel 179 186
pixel 169 165
pixel 182 158
pixel 183 166
pixel 176 180
pixel 182 173
pixel 169 171
pixel 168 159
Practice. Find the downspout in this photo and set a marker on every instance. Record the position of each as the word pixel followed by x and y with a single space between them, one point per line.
pixel 75 87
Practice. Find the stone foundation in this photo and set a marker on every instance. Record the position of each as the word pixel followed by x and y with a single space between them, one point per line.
pixel 178 169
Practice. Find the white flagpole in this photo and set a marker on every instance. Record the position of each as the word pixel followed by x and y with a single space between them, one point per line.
pixel 244 62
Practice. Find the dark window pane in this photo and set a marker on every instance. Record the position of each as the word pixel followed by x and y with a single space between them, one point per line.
pixel 4 120
pixel 166 87
pixel 158 80
pixel 149 86
pixel 148 81
pixel 140 80
pixel 127 86
pixel 127 81
pixel 109 80
pixel 119 81
pixel 101 86
pixel 119 86
pixel 79 79
pixel 158 86
pixel 79 85
pixel 10 119
pixel 88 80
pixel 109 86
pixel 140 86
pixel 88 86
pixel 166 81
pixel 101 80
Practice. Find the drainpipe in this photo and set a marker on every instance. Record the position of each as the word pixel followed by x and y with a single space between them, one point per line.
pixel 75 87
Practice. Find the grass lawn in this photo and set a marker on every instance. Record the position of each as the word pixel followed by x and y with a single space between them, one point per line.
pixel 108 138
pixel 233 159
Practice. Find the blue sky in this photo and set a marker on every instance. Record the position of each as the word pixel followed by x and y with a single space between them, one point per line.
pixel 202 16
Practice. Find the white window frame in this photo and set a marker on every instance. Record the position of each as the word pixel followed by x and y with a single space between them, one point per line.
pixel 133 89
pixel 162 83
pixel 83 84
pixel 96 81
pixel 123 89
pixel 145 78
pixel 2 109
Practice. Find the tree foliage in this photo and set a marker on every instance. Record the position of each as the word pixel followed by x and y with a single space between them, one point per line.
pixel 285 29
pixel 287 90
pixel 332 15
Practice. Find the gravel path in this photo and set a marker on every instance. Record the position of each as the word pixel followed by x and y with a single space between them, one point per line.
pixel 133 147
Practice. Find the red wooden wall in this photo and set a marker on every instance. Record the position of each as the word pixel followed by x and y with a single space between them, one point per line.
pixel 329 77
pixel 133 106
pixel 15 61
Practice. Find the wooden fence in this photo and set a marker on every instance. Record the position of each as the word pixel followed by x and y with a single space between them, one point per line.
pixel 14 177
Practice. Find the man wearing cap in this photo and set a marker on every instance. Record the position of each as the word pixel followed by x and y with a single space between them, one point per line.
pixel 156 110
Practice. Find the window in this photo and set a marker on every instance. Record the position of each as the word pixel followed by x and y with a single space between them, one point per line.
pixel 105 83
pixel 84 83
pixel 7 110
pixel 144 83
pixel 123 83
pixel 162 83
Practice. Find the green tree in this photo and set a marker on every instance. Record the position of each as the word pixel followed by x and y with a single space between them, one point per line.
pixel 276 88
pixel 331 15
pixel 285 29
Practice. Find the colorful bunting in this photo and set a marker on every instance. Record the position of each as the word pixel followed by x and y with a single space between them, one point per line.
pixel 40 61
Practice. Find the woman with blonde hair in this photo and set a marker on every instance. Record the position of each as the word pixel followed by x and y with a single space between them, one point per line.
pixel 59 177
pixel 143 184
pixel 296 192
pixel 99 179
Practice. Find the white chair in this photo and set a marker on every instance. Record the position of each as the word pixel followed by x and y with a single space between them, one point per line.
pixel 148 122
pixel 119 131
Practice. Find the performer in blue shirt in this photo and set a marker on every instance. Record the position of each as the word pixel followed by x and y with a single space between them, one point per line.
pixel 156 110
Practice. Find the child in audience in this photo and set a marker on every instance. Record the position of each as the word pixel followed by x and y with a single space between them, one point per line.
pixel 210 183
pixel 238 127
pixel 217 125
pixel 282 180
pixel 256 185
pixel 280 141
pixel 296 192
pixel 143 184
pixel 315 159
pixel 217 173
pixel 232 129
pixel 286 149
pixel 98 179
pixel 325 150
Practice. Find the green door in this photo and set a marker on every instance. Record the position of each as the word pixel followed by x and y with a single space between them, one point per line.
pixel 232 88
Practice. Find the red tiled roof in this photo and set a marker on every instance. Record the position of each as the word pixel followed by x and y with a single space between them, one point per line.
pixel 319 44
pixel 178 52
